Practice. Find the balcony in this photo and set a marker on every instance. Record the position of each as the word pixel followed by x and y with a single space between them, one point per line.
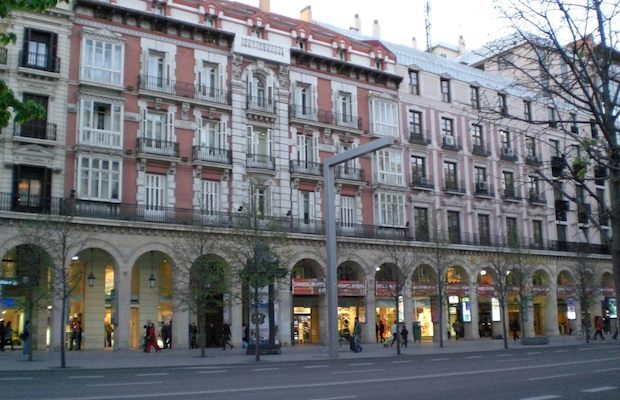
pixel 480 150
pixel 260 161
pixel 347 121
pixel 306 167
pixel 40 62
pixel 100 138
pixel 508 154
pixel 183 89
pixel 454 187
pixel 483 189
pixel 383 178
pixel 211 154
pixel 309 114
pixel 537 199
pixel 417 136
pixel 41 130
pixel 348 173
pixel 158 147
pixel 510 194
pixel 557 165
pixel 422 182
pixel 450 143
pixel 261 104
pixel 533 160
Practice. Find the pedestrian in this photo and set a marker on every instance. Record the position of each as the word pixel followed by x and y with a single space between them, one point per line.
pixel 163 333
pixel 448 329
pixel 108 334
pixel 8 335
pixel 193 330
pixel 357 335
pixel 514 328
pixel 151 339
pixel 1 335
pixel 377 331
pixel 25 338
pixel 456 325
pixel 404 333
pixel 75 329
pixel 381 331
pixel 226 336
pixel 394 333
pixel 598 326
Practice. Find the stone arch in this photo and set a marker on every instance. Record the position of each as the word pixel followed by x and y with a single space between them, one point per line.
pixel 351 271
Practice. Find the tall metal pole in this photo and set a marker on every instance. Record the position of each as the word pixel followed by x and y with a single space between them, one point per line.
pixel 330 232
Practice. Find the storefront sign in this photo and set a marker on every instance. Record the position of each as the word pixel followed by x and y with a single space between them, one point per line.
pixel 466 309
pixel 540 290
pixel 307 287
pixel 566 291
pixel 486 291
pixel 457 289
pixel 421 289
pixel 496 314
pixel 571 309
pixel 385 289
pixel 608 292
pixel 351 288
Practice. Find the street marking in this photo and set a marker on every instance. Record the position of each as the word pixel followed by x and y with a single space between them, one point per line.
pixel 358 371
pixel 125 384
pixel 212 372
pixel 345 383
pixel 17 378
pixel 504 355
pixel 205 367
pixel 472 357
pixel 154 374
pixel 599 389
pixel 531 353
pixel 560 351
pixel 547 397
pixel 85 376
pixel 359 364
pixel 335 398
pixel 541 378
pixel 265 369
pixel 587 348
pixel 315 366
pixel 401 361
pixel 439 359
pixel 596 371
pixel 515 360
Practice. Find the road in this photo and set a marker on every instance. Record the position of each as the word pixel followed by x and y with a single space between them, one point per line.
pixel 576 372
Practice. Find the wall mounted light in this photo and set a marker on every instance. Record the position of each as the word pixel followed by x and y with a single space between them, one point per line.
pixel 152 277
pixel 91 276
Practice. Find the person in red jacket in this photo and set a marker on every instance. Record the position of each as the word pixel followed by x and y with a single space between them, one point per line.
pixel 598 326
pixel 151 339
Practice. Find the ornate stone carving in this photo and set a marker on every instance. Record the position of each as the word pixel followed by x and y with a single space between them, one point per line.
pixel 236 66
pixel 283 75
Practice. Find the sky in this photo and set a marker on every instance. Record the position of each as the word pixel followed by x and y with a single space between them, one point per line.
pixel 400 20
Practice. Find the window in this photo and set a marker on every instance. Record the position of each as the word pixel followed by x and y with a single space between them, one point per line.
pixel 593 129
pixel 537 233
pixel 344 108
pixel 101 123
pixel 212 140
pixel 302 44
pixel 527 110
pixel 573 121
pixel 37 128
pixel 157 70
pixel 552 117
pixel 261 201
pixel 504 137
pixel 390 209
pixel 480 177
pixel 384 117
pixel 341 55
pixel 39 50
pixel 307 203
pixel 454 227
pixel 389 167
pixel 530 147
pixel 418 168
pixel 257 32
pixel 157 133
pixel 503 103
pixel 308 149
pixel 347 210
pixel 447 127
pixel 561 232
pixel 450 177
pixel 260 93
pixel 210 196
pixel 474 93
pixel 99 178
pixel 414 82
pixel 512 232
pixel 603 217
pixel 210 21
pixel 102 61
pixel 415 122
pixel 259 146
pixel 420 216
pixel 484 230
pixel 534 187
pixel 508 184
pixel 304 102
pixel 445 90
pixel 209 82
pixel 477 138
pixel 555 147
pixel 155 194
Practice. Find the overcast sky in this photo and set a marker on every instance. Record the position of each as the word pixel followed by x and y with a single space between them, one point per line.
pixel 400 20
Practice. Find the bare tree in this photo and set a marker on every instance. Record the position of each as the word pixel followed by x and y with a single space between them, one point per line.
pixel 565 56
pixel 585 286
pixel 61 238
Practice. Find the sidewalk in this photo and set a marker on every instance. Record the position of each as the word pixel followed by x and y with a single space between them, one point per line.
pixel 101 359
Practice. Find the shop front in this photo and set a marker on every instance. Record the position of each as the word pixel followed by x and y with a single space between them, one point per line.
pixel 350 305
pixel 459 309
pixel 385 305
pixel 422 309
pixel 307 293
pixel 489 314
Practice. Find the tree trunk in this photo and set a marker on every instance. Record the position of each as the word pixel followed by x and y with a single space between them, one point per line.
pixel 256 324
pixel 63 317
pixel 29 315
pixel 502 305
pixel 202 323
pixel 397 326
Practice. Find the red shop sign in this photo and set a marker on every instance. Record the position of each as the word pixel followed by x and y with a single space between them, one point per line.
pixel 351 288
pixel 457 289
pixel 308 287
pixel 566 292
pixel 385 289
pixel 420 289
pixel 487 291
pixel 608 292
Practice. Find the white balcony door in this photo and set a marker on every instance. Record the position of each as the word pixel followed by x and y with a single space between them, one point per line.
pixel 155 196
pixel 347 212
pixel 307 213
pixel 209 80
pixel 157 71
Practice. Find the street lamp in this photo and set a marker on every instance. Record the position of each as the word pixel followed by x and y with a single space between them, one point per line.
pixel 330 232
pixel 152 277
pixel 91 276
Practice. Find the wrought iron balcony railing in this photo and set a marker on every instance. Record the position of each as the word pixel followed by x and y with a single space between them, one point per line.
pixel 36 130
pixel 211 154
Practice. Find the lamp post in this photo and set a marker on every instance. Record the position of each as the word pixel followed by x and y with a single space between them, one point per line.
pixel 330 232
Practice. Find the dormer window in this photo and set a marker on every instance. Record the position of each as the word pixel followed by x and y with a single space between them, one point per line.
pixel 341 55
pixel 210 21
pixel 302 44
pixel 158 8
pixel 257 32
pixel 379 64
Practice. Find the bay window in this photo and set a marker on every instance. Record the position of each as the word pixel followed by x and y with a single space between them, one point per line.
pixel 102 61
pixel 390 209
pixel 99 178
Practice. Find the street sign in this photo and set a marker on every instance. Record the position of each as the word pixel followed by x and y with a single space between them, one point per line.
pixel 8 282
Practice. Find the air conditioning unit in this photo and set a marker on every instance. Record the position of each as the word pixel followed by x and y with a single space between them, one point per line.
pixel 481 186
pixel 507 151
pixel 448 140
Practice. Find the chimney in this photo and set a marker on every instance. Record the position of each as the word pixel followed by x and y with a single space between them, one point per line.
pixel 263 5
pixel 306 14
pixel 461 44
pixel 376 30
pixel 357 24
pixel 414 42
